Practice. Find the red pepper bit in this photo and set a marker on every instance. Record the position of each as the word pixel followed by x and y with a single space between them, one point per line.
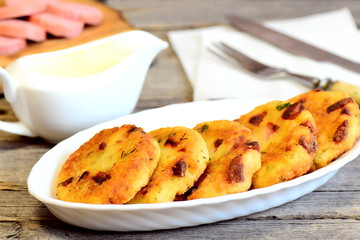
pixel 236 173
pixel 179 169
pixel 339 104
pixel 101 177
pixel 341 132
pixel 257 119
pixel 293 111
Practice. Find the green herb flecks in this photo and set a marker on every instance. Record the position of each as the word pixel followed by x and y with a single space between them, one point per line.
pixel 204 128
pixel 282 106
pixel 183 137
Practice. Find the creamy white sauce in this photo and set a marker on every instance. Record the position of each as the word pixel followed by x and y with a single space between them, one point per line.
pixel 83 62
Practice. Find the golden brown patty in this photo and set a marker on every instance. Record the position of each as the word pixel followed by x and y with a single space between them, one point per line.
pixel 234 158
pixel 109 168
pixel 337 119
pixel 287 136
pixel 184 157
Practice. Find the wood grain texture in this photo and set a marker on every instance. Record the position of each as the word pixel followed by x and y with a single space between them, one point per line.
pixel 330 212
pixel 179 14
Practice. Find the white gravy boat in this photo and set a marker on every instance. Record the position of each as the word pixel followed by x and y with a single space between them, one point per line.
pixel 57 94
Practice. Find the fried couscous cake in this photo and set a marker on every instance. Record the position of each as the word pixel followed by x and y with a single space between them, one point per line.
pixel 184 157
pixel 337 119
pixel 234 158
pixel 110 168
pixel 286 133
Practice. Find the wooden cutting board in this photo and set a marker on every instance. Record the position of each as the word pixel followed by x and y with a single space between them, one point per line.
pixel 114 22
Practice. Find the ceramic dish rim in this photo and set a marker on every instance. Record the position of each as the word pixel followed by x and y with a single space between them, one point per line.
pixel 50 200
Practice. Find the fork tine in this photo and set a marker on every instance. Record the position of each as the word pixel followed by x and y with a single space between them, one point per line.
pixel 243 59
pixel 237 58
pixel 226 58
pixel 226 55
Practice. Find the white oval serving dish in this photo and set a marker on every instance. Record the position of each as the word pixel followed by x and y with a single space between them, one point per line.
pixel 144 217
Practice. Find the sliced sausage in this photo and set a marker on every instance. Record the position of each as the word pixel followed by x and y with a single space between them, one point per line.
pixel 26 8
pixel 22 29
pixel 9 45
pixel 76 11
pixel 58 26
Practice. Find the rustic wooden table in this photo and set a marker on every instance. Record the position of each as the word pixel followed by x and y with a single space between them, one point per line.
pixel 330 212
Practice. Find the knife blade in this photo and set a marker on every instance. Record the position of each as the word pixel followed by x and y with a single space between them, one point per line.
pixel 289 43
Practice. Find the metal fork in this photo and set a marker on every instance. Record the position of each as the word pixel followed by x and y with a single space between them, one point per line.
pixel 235 57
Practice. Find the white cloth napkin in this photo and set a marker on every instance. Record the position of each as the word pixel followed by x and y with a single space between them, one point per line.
pixel 212 78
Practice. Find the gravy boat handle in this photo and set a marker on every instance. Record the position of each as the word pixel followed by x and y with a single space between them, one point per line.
pixel 10 90
pixel 8 85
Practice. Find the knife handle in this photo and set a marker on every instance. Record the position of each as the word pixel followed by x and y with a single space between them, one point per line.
pixel 351 89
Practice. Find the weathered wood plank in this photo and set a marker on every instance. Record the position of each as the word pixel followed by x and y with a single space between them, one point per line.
pixel 20 206
pixel 15 165
pixel 346 179
pixel 172 14
pixel 234 229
